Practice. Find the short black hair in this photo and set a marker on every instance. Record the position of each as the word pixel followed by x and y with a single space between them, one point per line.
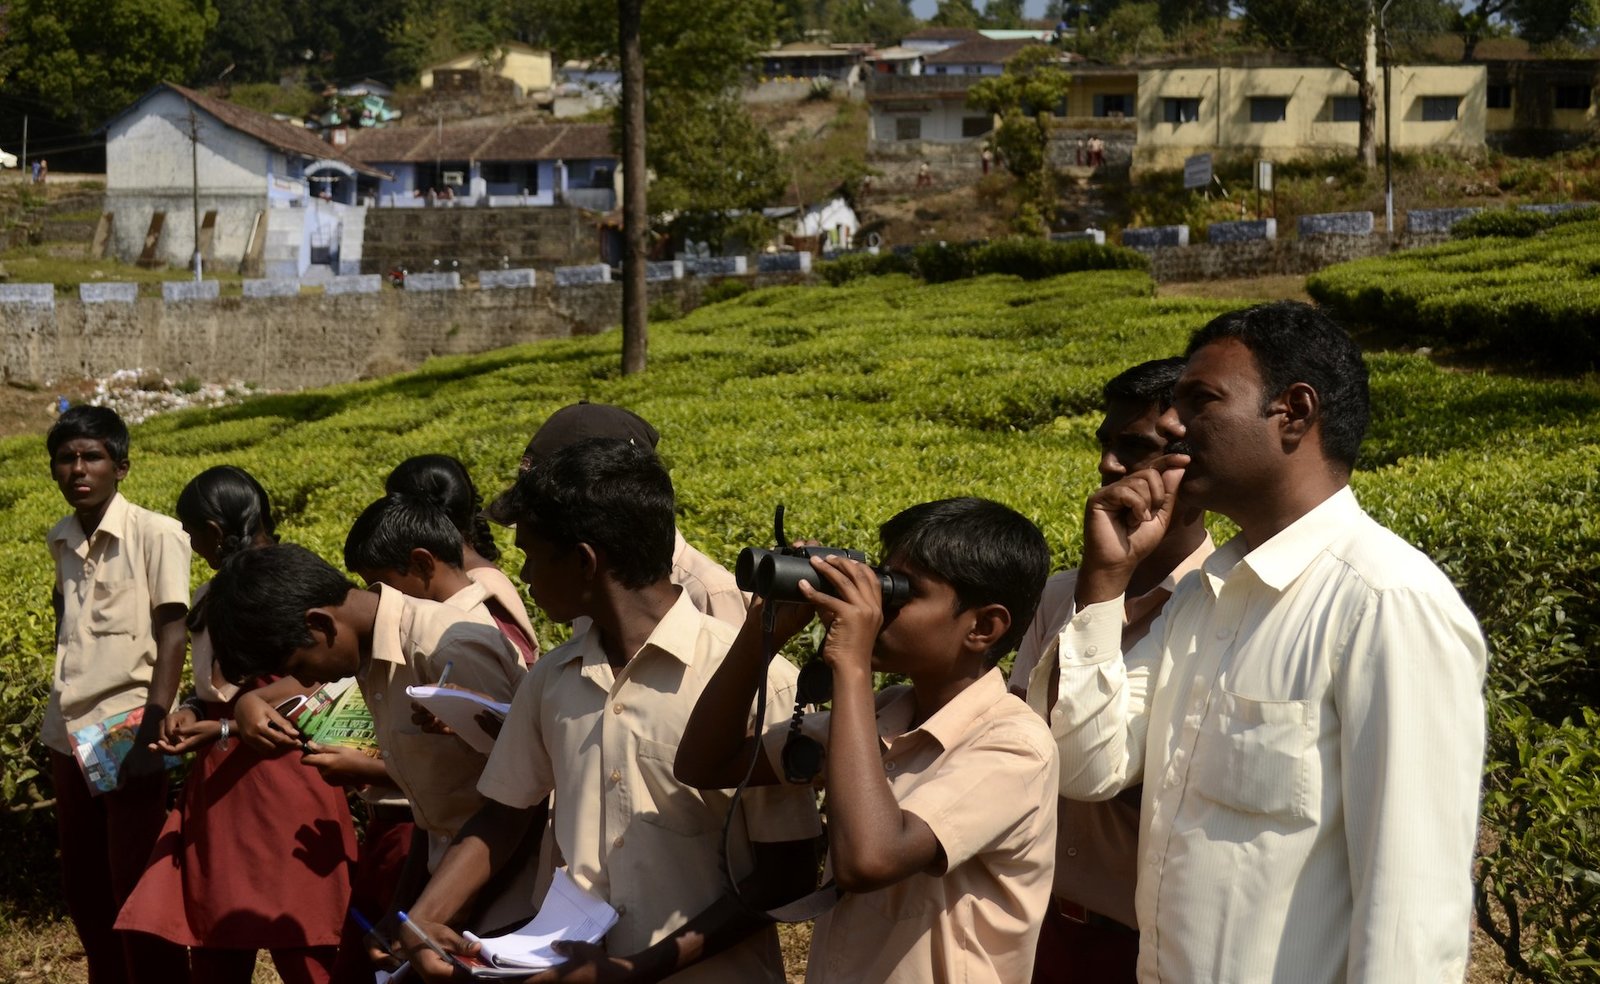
pixel 989 553
pixel 613 495
pixel 1148 382
pixel 446 481
pixel 386 532
pixel 259 599
pixel 1297 343
pixel 95 423
pixel 230 497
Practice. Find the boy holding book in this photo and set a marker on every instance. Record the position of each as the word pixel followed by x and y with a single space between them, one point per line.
pixel 284 610
pixel 941 794
pixel 597 722
pixel 121 592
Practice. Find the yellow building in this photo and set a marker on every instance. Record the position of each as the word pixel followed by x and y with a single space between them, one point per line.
pixel 1539 106
pixel 531 70
pixel 1280 113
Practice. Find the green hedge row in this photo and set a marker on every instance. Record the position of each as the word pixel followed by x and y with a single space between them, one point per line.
pixel 1533 297
pixel 1019 256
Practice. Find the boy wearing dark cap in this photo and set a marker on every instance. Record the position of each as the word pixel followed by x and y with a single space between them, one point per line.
pixel 711 589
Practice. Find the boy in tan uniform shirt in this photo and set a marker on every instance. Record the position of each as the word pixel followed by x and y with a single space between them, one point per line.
pixel 122 588
pixel 940 795
pixel 597 723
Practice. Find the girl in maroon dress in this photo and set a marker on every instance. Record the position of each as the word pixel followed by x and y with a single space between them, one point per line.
pixel 257 855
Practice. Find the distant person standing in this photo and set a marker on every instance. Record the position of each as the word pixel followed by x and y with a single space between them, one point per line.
pixel 44 170
pixel 988 158
pixel 1097 150
pixel 35 172
pixel 924 176
pixel 1082 156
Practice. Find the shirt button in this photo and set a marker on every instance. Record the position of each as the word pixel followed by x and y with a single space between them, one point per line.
pixel 1091 651
pixel 622 910
pixel 617 842
pixel 616 775
pixel 616 708
pixel 378 696
pixel 888 766
pixel 1072 852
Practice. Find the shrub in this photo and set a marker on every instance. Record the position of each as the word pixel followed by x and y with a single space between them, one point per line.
pixel 1019 256
pixel 724 290
pixel 1518 223
pixel 939 263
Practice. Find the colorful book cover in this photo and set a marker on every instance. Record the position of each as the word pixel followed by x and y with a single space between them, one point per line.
pixel 343 721
pixel 100 749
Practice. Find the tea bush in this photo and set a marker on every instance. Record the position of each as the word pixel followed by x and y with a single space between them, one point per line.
pixel 849 403
pixel 1020 256
pixel 1535 299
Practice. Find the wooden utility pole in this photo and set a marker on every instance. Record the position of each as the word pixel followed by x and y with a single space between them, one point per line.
pixel 194 164
pixel 635 210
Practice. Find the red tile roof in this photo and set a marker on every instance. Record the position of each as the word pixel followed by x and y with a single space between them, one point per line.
pixel 508 142
pixel 272 132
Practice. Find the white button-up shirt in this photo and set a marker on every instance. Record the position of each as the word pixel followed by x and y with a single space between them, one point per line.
pixel 1307 719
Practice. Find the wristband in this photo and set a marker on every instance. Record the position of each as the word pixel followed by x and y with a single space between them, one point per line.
pixel 227 730
pixel 195 706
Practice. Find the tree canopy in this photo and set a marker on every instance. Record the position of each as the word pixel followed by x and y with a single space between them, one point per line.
pixel 87 59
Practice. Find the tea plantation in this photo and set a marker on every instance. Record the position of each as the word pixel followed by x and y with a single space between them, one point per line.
pixel 848 403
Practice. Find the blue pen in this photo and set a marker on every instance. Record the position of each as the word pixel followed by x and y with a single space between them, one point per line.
pixel 427 941
pixel 443 676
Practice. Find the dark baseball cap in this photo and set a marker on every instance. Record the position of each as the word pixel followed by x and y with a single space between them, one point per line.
pixel 574 423
pixel 565 427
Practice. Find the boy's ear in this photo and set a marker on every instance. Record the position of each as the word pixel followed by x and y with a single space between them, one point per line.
pixel 321 623
pixel 122 469
pixel 590 561
pixel 423 563
pixel 991 623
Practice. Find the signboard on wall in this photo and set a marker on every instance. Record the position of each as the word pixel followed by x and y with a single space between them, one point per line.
pixel 1197 171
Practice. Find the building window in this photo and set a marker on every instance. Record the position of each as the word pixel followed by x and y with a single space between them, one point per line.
pixel 1440 109
pixel 976 126
pixel 1345 109
pixel 497 172
pixel 938 70
pixel 1180 109
pixel 1269 109
pixel 1573 96
pixel 974 69
pixel 1114 105
pixel 1498 97
pixel 908 128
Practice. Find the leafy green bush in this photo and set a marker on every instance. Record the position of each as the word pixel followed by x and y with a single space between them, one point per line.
pixel 1518 223
pixel 1539 886
pixel 724 290
pixel 1531 299
pixel 1027 257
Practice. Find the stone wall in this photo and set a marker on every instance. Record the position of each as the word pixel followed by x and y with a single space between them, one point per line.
pixel 1270 257
pixel 477 238
pixel 308 339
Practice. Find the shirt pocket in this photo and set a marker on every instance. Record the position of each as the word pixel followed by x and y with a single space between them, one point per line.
pixel 1256 756
pixel 667 803
pixel 112 607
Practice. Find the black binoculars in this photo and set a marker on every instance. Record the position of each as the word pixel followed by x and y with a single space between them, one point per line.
pixel 776 575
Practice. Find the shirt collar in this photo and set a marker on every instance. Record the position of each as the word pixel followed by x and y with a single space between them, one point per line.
pixel 950 722
pixel 1190 563
pixel 114 523
pixel 1286 556
pixel 676 635
pixel 468 598
pixel 392 619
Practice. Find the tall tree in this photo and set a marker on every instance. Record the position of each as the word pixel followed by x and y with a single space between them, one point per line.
pixel 1025 97
pixel 1344 33
pixel 635 207
pixel 1005 15
pixel 956 13
pixel 666 47
pixel 87 59
pixel 878 21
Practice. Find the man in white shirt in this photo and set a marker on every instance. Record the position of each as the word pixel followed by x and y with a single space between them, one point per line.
pixel 1090 934
pixel 1306 714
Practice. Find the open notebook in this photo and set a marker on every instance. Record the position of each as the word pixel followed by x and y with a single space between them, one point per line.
pixel 459 709
pixel 568 913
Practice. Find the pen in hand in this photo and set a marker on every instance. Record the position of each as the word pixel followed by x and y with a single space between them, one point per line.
pixel 427 941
